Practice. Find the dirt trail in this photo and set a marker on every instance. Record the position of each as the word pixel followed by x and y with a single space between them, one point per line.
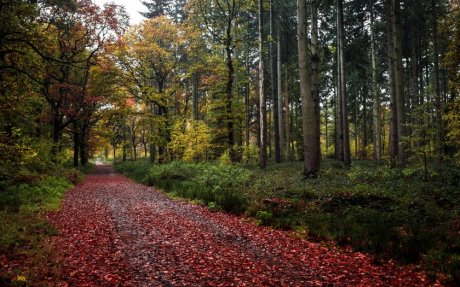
pixel 114 232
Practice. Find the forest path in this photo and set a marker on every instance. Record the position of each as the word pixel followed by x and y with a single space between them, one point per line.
pixel 115 232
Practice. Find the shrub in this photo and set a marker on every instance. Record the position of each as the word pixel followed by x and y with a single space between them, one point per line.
pixel 219 183
pixel 136 170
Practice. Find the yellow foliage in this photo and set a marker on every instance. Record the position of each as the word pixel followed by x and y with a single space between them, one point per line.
pixel 190 140
pixel 453 123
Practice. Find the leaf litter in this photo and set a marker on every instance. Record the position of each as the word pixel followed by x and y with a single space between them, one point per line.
pixel 115 232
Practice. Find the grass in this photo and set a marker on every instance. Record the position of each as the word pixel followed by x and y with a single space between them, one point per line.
pixel 391 213
pixel 24 201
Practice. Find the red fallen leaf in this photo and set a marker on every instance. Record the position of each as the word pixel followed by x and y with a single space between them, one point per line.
pixel 114 232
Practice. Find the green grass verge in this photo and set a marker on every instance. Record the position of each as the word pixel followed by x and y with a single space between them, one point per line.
pixel 24 201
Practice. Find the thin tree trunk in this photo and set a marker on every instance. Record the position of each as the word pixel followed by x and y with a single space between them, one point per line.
pixel 262 103
pixel 338 111
pixel 274 82
pixel 375 92
pixel 195 81
pixel 310 147
pixel 282 132
pixel 287 119
pixel 437 91
pixel 345 135
pixel 394 139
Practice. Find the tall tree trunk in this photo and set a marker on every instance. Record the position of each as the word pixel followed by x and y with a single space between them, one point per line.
pixel 310 147
pixel 287 116
pixel 394 139
pixel 282 132
pixel 262 102
pixel 415 63
pixel 338 137
pixel 376 100
pixel 437 91
pixel 399 81
pixel 316 85
pixel 273 85
pixel 229 92
pixel 338 111
pixel 248 110
pixel 344 133
pixel 377 149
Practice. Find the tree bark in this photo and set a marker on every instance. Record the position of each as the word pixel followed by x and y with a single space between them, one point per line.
pixel 437 91
pixel 394 138
pixel 274 90
pixel 375 91
pixel 195 82
pixel 262 102
pixel 282 132
pixel 76 147
pixel 316 85
pixel 376 126
pixel 287 116
pixel 310 147
pixel 343 110
pixel 399 80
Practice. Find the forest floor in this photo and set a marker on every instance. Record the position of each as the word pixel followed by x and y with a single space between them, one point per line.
pixel 115 232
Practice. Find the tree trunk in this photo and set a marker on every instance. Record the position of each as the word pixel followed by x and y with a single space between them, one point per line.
pixel 282 132
pixel 76 147
pixel 114 153
pixel 316 85
pixel 195 80
pixel 262 102
pixel 344 133
pixel 437 91
pixel 248 110
pixel 274 82
pixel 229 93
pixel 84 152
pixel 394 139
pixel 375 91
pixel 310 147
pixel 399 75
pixel 287 119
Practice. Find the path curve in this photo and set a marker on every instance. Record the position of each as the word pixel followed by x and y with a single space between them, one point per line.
pixel 115 232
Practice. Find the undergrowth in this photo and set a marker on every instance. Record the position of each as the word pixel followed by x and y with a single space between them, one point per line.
pixel 24 201
pixel 389 212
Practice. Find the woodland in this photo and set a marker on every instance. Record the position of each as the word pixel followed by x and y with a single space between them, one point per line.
pixel 338 120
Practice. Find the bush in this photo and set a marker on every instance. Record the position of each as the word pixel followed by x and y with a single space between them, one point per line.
pixel 210 182
pixel 134 169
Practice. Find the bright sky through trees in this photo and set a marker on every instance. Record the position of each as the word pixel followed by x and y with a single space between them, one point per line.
pixel 132 8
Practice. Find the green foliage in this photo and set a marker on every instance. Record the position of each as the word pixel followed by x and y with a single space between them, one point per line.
pixel 453 125
pixel 134 169
pixel 216 185
pixel 191 140
pixel 21 206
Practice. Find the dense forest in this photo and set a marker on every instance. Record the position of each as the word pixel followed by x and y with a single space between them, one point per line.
pixel 199 80
pixel 340 95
